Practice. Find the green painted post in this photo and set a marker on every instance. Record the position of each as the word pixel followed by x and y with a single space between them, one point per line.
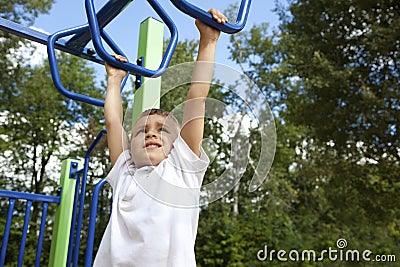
pixel 63 218
pixel 151 41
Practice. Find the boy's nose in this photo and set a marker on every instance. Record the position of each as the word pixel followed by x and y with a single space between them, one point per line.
pixel 151 133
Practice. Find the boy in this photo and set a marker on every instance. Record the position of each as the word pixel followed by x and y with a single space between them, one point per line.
pixel 156 183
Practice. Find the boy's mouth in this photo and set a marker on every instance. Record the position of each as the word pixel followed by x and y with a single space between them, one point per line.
pixel 152 144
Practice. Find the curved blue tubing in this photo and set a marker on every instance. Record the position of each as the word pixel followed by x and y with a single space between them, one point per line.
pixel 54 67
pixel 82 196
pixel 206 17
pixel 135 69
pixel 93 206
pixel 92 222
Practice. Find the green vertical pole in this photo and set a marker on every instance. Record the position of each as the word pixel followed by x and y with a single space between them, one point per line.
pixel 151 40
pixel 63 218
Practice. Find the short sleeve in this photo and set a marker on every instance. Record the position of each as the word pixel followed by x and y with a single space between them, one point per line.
pixel 122 166
pixel 186 166
pixel 187 159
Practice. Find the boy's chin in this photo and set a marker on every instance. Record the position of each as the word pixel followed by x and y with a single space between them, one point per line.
pixel 150 162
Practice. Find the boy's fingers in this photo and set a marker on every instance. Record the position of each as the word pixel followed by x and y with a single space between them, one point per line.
pixel 218 16
pixel 119 57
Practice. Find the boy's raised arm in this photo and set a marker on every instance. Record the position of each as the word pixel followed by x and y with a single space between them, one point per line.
pixel 113 112
pixel 194 108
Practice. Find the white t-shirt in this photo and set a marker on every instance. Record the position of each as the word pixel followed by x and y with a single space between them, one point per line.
pixel 154 212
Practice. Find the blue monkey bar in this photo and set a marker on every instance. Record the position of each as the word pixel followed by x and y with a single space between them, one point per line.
pixel 81 36
pixel 76 44
pixel 135 69
pixel 106 14
pixel 206 17
pixel 40 37
pixel 54 67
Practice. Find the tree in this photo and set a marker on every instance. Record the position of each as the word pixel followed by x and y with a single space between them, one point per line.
pixel 345 58
pixel 335 169
pixel 38 120
pixel 349 55
pixel 40 127
pixel 23 12
pixel 332 76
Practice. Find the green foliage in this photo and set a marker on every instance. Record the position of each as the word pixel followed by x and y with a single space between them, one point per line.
pixel 331 75
pixel 346 56
pixel 24 12
pixel 38 120
pixel 39 128
pixel 347 96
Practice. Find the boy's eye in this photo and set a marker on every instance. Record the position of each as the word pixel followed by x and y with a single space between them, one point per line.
pixel 164 130
pixel 140 131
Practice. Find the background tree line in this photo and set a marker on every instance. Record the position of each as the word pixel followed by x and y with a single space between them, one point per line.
pixel 330 74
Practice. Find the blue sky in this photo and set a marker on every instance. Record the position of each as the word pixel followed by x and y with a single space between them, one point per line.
pixel 124 28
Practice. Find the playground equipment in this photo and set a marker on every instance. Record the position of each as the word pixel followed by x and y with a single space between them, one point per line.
pixel 151 64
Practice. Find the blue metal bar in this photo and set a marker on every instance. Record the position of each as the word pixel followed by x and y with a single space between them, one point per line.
pixel 6 231
pixel 92 222
pixel 29 196
pixel 24 233
pixel 40 37
pixel 73 223
pixel 45 205
pixel 74 237
pixel 54 67
pixel 111 43
pixel 202 15
pixel 82 196
pixel 106 14
pixel 117 50
pixel 74 174
pixel 135 69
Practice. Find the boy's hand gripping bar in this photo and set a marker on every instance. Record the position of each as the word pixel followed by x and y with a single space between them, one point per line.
pixel 206 17
pixel 54 67
pixel 134 69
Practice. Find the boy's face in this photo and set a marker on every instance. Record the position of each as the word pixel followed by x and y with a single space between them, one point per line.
pixel 152 139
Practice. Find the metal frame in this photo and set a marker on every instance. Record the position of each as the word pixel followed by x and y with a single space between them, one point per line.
pixel 13 196
pixel 42 38
pixel 133 68
pixel 51 45
pixel 204 16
